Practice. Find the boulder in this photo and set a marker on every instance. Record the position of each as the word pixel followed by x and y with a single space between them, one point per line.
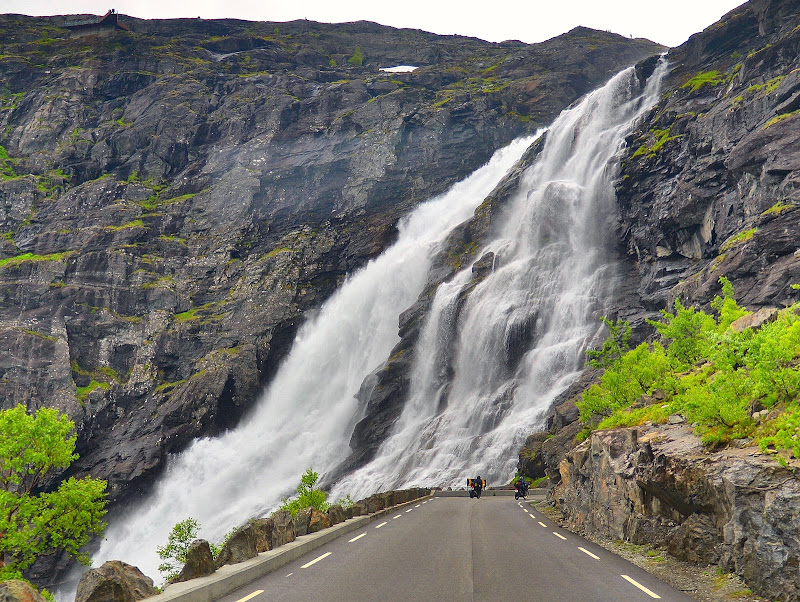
pixel 16 590
pixel 765 315
pixel 337 514
pixel 318 521
pixel 241 546
pixel 115 581
pixel 282 529
pixel 263 532
pixel 357 509
pixel 199 562
pixel 301 521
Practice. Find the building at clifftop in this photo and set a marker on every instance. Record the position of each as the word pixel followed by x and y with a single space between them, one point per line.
pixel 96 25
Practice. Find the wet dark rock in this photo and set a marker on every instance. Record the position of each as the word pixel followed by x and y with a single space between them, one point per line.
pixel 262 528
pixel 199 561
pixel 282 529
pixel 318 521
pixel 240 546
pixel 114 581
pixel 337 514
pixel 301 521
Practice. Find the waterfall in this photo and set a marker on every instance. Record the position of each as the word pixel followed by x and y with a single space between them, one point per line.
pixel 519 339
pixel 306 417
pixel 516 342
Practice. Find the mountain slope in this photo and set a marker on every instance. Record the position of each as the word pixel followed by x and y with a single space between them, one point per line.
pixel 175 199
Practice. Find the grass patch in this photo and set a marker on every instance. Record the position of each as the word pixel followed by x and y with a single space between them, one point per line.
pixel 83 392
pixel 706 78
pixel 780 118
pixel 736 239
pixel 31 258
pixel 778 208
pixel 137 223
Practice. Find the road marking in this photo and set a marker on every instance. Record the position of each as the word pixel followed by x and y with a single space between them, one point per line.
pixel 316 560
pixel 418 505
pixel 558 535
pixel 588 553
pixel 409 510
pixel 533 517
pixel 640 586
pixel 290 574
pixel 398 516
pixel 526 511
pixel 541 523
pixel 251 596
pixel 357 537
pixel 383 523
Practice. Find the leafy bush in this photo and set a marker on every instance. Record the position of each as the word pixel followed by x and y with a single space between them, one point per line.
pixel 174 553
pixel 34 521
pixel 715 377
pixel 307 496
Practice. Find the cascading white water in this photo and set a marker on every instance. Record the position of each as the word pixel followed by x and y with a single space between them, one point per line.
pixel 306 417
pixel 551 281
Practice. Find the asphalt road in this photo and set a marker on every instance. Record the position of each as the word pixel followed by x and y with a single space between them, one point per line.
pixel 460 549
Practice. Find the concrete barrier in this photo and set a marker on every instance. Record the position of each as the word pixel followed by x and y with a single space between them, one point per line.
pixel 230 577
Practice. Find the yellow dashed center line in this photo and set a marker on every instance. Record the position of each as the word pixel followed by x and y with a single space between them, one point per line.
pixel 588 553
pixel 357 537
pixel 541 523
pixel 641 587
pixel 559 536
pixel 316 560
pixel 251 596
pixel 383 523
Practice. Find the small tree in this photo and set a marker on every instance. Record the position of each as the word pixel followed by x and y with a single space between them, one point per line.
pixel 307 496
pixel 174 553
pixel 34 522
pixel 357 59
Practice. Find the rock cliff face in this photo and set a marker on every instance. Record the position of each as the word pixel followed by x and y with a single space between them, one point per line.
pixel 736 508
pixel 175 199
pixel 709 184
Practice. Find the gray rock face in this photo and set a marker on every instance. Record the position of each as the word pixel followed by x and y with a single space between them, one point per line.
pixel 709 181
pixel 115 581
pixel 199 561
pixel 15 590
pixel 736 508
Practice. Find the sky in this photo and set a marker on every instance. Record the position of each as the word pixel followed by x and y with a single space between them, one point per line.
pixel 530 21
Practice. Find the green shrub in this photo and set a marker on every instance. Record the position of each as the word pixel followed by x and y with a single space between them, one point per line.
pixel 358 58
pixel 307 496
pixel 715 377
pixel 174 552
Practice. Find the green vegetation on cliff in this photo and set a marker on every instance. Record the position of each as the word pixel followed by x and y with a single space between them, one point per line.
pixel 36 520
pixel 729 383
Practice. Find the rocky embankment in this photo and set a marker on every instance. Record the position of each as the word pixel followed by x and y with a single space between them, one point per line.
pixel 175 199
pixel 735 508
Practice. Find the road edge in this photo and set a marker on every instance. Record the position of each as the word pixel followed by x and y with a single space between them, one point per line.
pixel 230 577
